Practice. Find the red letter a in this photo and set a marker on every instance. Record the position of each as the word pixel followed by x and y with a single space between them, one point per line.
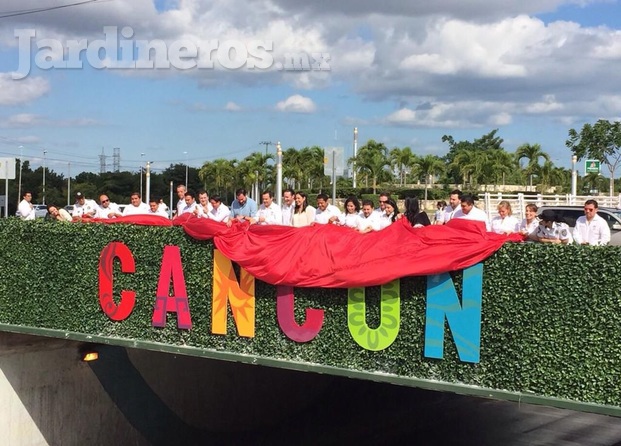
pixel 172 270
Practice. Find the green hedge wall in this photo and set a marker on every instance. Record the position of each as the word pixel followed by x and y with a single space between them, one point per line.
pixel 551 319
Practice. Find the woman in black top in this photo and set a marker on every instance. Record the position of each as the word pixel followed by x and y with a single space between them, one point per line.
pixel 415 216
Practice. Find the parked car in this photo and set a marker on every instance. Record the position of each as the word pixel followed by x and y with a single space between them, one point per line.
pixel 571 213
pixel 40 210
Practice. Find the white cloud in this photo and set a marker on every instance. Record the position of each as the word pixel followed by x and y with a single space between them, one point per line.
pixel 500 119
pixel 232 107
pixel 296 104
pixel 29 120
pixel 493 56
pixel 22 120
pixel 16 92
pixel 436 117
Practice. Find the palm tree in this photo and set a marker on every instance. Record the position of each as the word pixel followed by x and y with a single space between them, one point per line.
pixel 401 160
pixel 531 152
pixel 468 161
pixel 372 159
pixel 430 166
pixel 502 163
pixel 292 168
pixel 220 173
pixel 311 162
pixel 254 172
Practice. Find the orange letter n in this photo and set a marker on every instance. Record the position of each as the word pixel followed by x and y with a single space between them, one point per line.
pixel 240 296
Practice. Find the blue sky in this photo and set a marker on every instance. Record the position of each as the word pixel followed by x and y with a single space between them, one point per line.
pixel 404 74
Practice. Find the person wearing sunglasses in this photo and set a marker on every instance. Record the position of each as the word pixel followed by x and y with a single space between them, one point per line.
pixel 591 229
pixel 383 199
pixel 107 209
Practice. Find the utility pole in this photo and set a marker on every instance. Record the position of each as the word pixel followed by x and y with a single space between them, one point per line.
pixel 574 178
pixel 148 183
pixel 266 143
pixel 141 156
pixel 279 173
pixel 186 171
pixel 68 184
pixel 353 164
pixel 21 163
pixel 44 153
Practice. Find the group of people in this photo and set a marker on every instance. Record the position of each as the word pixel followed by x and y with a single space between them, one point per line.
pixel 363 216
pixel 548 227
pixel 85 208
pixel 296 210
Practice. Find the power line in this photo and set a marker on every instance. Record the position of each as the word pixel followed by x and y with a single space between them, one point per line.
pixel 49 8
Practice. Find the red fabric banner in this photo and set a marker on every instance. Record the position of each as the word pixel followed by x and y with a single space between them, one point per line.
pixel 331 256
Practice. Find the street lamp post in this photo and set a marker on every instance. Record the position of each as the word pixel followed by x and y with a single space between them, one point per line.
pixel 353 164
pixel 19 184
pixel 148 183
pixel 141 156
pixel 279 173
pixel 68 184
pixel 186 170
pixel 44 153
pixel 574 178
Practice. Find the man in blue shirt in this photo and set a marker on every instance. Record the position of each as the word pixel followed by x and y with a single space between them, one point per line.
pixel 243 208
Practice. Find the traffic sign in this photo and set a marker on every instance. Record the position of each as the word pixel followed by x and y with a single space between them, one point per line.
pixel 7 168
pixel 333 156
pixel 592 166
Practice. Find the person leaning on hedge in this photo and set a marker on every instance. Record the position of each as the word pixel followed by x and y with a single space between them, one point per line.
pixel 552 229
pixel 56 213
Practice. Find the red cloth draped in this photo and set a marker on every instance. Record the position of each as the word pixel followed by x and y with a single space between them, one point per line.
pixel 330 256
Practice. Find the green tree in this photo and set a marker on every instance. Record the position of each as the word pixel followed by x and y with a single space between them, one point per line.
pixel 600 141
pixel 533 153
pixel 469 164
pixel 255 170
pixel 372 160
pixel 292 168
pixel 402 160
pixel 218 176
pixel 311 160
pixel 502 164
pixel 429 166
pixel 473 162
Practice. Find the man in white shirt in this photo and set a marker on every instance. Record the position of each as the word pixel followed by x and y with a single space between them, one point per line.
pixel 136 206
pixel 469 211
pixel 163 206
pixel 269 212
pixel 591 229
pixel 288 207
pixel 383 199
pixel 25 209
pixel 326 213
pixel 219 211
pixel 453 206
pixel 181 195
pixel 83 207
pixel 203 206
pixel 107 209
pixel 189 204
pixel 156 209
pixel 369 220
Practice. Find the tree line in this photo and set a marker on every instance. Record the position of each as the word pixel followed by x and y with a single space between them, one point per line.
pixel 483 160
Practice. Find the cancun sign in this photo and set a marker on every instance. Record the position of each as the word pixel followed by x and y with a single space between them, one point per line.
pixel 443 304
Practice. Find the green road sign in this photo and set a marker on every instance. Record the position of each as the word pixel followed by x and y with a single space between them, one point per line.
pixel 592 166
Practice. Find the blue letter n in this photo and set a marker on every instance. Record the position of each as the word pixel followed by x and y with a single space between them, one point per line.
pixel 464 319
